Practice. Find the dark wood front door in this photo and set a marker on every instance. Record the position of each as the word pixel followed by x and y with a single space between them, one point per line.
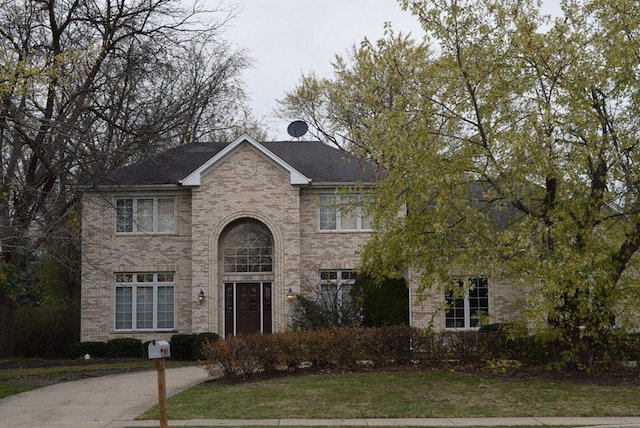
pixel 247 308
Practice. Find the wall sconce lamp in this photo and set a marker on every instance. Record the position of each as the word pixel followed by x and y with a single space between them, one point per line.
pixel 290 294
pixel 201 296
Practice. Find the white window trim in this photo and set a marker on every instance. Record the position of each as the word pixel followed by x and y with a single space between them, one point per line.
pixel 133 285
pixel 467 310
pixel 338 228
pixel 135 214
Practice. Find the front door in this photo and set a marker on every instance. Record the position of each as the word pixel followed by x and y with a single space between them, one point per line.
pixel 247 307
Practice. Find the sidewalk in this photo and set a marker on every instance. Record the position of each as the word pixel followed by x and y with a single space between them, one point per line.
pixel 115 401
pixel 613 422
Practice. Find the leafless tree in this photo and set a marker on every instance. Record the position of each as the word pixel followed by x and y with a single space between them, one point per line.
pixel 90 85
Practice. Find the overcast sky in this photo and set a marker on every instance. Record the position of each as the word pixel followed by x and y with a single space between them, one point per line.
pixel 286 38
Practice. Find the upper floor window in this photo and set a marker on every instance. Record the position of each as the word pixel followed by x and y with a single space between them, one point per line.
pixel 144 301
pixel 247 247
pixel 466 303
pixel 145 215
pixel 342 212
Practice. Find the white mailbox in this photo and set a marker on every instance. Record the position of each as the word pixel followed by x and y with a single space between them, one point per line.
pixel 159 349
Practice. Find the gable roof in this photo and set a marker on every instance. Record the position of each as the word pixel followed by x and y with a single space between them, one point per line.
pixel 308 162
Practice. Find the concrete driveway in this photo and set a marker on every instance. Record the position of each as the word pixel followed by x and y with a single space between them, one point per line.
pixel 94 402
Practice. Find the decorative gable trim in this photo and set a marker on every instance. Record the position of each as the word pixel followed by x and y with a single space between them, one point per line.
pixel 295 176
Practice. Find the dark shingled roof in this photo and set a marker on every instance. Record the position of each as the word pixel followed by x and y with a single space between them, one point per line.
pixel 315 160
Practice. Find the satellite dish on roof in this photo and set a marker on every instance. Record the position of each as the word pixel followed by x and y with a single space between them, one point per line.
pixel 297 128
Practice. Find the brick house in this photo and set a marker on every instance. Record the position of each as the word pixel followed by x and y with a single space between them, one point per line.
pixel 214 237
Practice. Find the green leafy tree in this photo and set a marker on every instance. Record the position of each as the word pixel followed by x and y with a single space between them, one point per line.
pixel 511 141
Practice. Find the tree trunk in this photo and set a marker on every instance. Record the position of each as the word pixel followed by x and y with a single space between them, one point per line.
pixel 7 327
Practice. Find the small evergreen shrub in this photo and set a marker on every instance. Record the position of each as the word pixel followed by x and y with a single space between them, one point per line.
pixel 182 346
pixel 94 349
pixel 124 347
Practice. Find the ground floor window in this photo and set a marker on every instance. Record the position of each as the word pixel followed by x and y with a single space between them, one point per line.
pixel 466 302
pixel 144 301
pixel 335 286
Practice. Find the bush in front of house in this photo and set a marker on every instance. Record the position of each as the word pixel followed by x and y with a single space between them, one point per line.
pixel 188 347
pixel 199 341
pixel 124 347
pixel 339 348
pixel 93 349
pixel 182 346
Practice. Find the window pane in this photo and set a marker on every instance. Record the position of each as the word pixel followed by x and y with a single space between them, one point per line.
pixel 123 313
pixel 478 301
pixel 165 307
pixel 144 307
pixel 166 215
pixel 348 220
pixel 248 248
pixel 365 221
pixel 124 277
pixel 144 219
pixel 165 277
pixel 327 212
pixel 124 215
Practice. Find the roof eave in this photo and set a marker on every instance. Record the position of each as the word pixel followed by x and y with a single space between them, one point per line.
pixel 342 183
pixel 131 187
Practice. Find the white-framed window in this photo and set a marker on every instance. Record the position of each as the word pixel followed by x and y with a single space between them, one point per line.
pixel 144 301
pixel 145 215
pixel 335 285
pixel 466 303
pixel 248 247
pixel 342 212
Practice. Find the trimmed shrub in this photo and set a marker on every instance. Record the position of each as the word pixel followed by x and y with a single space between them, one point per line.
pixel 233 356
pixel 182 346
pixel 200 339
pixel 188 347
pixel 94 349
pixel 124 347
pixel 463 345
pixel 430 348
pixel 392 345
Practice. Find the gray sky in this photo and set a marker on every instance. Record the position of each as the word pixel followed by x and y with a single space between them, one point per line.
pixel 289 37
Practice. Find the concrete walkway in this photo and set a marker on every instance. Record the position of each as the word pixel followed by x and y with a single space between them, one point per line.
pixel 115 401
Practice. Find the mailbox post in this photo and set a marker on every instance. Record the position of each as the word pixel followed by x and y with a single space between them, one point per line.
pixel 158 351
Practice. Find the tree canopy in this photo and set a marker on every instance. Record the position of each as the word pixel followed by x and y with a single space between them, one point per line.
pixel 511 141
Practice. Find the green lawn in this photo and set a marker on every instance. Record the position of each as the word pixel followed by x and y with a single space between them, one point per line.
pixel 402 394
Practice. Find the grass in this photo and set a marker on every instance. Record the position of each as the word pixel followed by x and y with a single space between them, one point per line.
pixel 359 395
pixel 402 394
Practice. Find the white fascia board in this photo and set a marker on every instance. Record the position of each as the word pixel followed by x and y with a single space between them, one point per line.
pixel 295 176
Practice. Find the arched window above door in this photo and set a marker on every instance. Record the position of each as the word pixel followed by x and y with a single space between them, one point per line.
pixel 247 247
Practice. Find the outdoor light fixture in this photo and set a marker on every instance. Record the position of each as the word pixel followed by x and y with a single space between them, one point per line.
pixel 201 296
pixel 290 294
